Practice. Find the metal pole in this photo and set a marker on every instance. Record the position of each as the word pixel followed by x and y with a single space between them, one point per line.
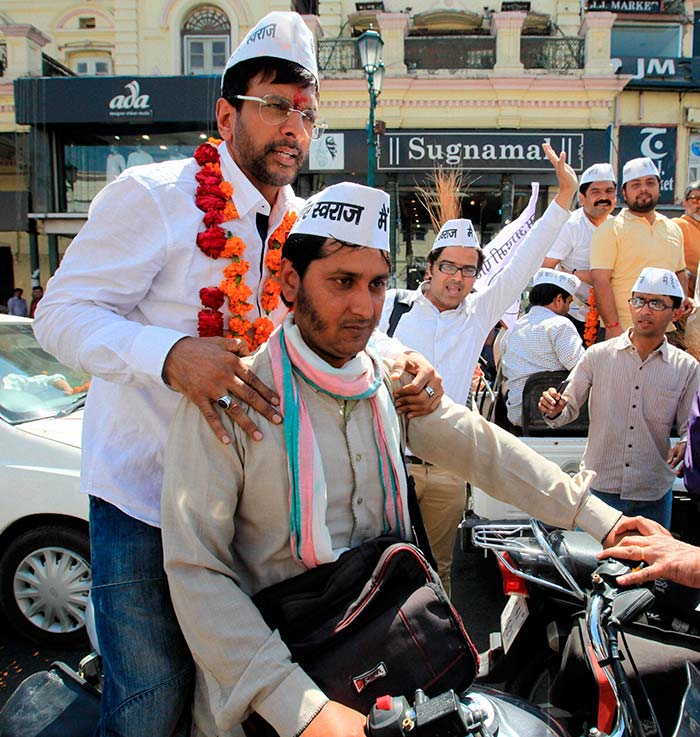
pixel 371 144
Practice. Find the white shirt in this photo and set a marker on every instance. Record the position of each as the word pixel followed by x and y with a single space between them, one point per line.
pixel 126 292
pixel 540 341
pixel 573 251
pixel 452 340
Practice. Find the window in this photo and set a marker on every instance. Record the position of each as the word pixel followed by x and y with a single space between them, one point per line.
pixel 86 23
pixel 206 41
pixel 646 40
pixel 93 66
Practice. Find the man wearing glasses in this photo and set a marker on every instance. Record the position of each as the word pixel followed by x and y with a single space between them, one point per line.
pixel 449 324
pixel 639 385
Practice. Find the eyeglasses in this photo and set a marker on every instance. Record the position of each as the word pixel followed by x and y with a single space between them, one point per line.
pixel 693 197
pixel 275 110
pixel 655 304
pixel 447 268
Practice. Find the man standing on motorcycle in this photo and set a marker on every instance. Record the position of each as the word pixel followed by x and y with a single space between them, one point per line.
pixel 636 385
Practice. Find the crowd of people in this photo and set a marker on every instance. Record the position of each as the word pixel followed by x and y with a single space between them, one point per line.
pixel 213 474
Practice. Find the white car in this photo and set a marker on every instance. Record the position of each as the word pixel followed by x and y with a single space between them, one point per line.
pixel 44 538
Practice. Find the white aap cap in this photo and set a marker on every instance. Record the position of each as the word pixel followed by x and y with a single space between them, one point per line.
pixel 658 281
pixel 568 282
pixel 636 168
pixel 282 35
pixel 347 212
pixel 598 173
pixel 456 233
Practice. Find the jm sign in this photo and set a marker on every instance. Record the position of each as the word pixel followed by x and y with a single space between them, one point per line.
pixel 483 151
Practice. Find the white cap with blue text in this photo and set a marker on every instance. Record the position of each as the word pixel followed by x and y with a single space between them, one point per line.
pixel 598 173
pixel 658 281
pixel 568 282
pixel 349 213
pixel 459 232
pixel 636 168
pixel 281 35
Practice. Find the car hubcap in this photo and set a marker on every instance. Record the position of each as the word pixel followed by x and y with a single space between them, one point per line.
pixel 51 589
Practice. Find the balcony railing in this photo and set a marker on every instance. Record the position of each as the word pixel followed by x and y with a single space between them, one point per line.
pixel 338 54
pixel 3 59
pixel 450 52
pixel 559 54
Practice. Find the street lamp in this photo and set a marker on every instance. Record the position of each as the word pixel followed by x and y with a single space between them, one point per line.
pixel 369 44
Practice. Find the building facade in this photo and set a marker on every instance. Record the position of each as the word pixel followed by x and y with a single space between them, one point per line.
pixel 88 89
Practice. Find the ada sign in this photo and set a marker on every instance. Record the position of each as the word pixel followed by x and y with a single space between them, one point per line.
pixel 132 105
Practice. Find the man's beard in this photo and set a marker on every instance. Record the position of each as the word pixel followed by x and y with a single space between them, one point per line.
pixel 636 206
pixel 253 161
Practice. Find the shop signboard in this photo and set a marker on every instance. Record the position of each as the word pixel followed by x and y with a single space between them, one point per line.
pixel 626 6
pixel 488 150
pixel 650 71
pixel 659 144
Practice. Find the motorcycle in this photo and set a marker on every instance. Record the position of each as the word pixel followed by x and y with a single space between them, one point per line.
pixel 546 650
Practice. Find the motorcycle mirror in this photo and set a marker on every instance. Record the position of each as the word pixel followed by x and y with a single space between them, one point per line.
pixel 628 605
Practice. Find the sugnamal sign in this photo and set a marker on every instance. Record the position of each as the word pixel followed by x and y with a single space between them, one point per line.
pixel 477 151
pixel 132 105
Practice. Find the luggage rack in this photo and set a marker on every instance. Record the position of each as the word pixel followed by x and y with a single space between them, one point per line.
pixel 525 538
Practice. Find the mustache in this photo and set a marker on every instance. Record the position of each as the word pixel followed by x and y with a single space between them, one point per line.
pixel 602 202
pixel 359 324
pixel 283 144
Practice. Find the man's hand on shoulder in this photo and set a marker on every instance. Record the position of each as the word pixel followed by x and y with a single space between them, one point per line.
pixel 423 394
pixel 336 720
pixel 205 369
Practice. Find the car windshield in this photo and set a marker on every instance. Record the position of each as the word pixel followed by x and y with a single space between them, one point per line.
pixel 33 384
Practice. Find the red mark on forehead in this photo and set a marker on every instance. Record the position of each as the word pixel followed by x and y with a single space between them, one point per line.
pixel 300 101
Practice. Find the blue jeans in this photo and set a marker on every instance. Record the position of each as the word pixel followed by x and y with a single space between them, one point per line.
pixel 659 511
pixel 148 669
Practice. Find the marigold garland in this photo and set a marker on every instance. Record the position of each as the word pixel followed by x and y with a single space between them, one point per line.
pixel 213 197
pixel 590 331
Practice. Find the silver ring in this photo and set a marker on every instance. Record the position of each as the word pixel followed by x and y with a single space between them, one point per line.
pixel 429 390
pixel 225 402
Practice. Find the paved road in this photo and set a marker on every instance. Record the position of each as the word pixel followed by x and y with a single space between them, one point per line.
pixel 476 592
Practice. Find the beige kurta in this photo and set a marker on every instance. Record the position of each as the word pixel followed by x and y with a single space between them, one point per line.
pixel 226 532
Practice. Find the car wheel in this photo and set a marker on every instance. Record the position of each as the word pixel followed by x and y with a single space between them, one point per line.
pixel 44 585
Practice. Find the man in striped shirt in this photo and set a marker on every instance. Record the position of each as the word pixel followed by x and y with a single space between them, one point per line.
pixel 639 385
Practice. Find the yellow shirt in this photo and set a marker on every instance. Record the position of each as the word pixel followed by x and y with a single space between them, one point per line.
pixel 626 244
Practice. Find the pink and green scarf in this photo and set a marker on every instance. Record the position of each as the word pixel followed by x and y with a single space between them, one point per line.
pixel 359 379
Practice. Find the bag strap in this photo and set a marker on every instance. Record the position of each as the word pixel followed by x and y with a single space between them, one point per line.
pixel 414 514
pixel 403 302
pixel 419 531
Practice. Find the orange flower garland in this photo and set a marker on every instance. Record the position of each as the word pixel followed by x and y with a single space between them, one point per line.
pixel 213 196
pixel 590 331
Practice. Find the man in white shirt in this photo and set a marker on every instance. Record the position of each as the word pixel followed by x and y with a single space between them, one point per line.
pixel 449 324
pixel 597 194
pixel 543 339
pixel 125 306
pixel 241 518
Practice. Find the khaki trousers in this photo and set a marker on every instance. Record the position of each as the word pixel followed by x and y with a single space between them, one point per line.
pixel 442 497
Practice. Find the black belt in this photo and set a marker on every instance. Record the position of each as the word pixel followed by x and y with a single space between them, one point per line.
pixel 418 461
